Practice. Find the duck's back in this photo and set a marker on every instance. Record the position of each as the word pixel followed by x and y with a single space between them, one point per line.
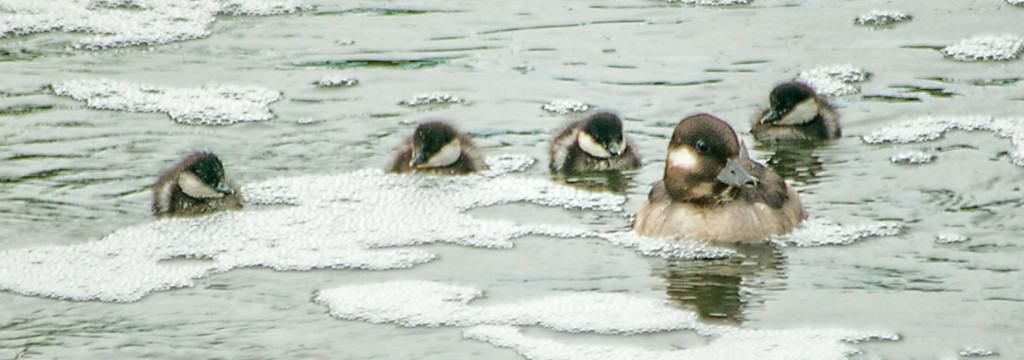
pixel 750 217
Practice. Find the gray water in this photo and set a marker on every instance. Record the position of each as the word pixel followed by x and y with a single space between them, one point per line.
pixel 71 174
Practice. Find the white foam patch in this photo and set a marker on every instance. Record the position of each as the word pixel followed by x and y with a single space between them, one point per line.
pixel 882 18
pixel 834 80
pixel 950 238
pixel 929 128
pixel 912 158
pixel 986 48
pixel 432 304
pixel 431 99
pixel 712 2
pixel 1016 2
pixel 565 106
pixel 119 23
pixel 798 344
pixel 337 81
pixel 333 221
pixel 668 248
pixel 974 351
pixel 821 232
pixel 206 105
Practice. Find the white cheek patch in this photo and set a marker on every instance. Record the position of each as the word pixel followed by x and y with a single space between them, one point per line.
pixel 448 155
pixel 194 187
pixel 801 113
pixel 683 158
pixel 590 146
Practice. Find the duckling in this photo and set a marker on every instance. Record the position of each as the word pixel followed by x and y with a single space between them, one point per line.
pixel 195 185
pixel 436 148
pixel 796 113
pixel 595 143
pixel 713 191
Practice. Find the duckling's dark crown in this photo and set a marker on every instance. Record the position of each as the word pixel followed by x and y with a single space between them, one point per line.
pixel 205 165
pixel 603 126
pixel 435 131
pixel 790 93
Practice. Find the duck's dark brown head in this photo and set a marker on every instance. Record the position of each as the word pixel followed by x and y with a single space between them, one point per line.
pixel 704 160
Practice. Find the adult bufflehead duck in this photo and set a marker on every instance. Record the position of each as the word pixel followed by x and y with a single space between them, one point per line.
pixel 195 185
pixel 436 148
pixel 713 191
pixel 595 143
pixel 796 113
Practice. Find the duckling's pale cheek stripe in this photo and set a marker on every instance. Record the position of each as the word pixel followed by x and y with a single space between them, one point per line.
pixel 801 113
pixel 683 158
pixel 194 187
pixel 590 146
pixel 448 155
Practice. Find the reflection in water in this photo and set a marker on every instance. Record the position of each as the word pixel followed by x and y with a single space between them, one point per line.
pixel 612 181
pixel 796 162
pixel 721 289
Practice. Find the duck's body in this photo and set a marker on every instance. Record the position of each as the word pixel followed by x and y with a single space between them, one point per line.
pixel 796 114
pixel 196 185
pixel 595 143
pixel 713 191
pixel 436 148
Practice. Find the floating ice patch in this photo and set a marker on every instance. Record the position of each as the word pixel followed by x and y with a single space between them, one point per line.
pixel 337 81
pixel 798 344
pixel 431 99
pixel 565 106
pixel 327 221
pixel 118 23
pixel 206 105
pixel 973 351
pixel 712 2
pixel 432 304
pixel 986 48
pixel 929 128
pixel 820 232
pixel 881 18
pixel 912 158
pixel 835 80
pixel 950 238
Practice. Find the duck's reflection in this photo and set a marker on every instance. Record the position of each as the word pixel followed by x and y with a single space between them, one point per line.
pixel 796 162
pixel 611 181
pixel 722 289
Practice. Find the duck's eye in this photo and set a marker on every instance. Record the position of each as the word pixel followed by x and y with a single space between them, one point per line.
pixel 701 146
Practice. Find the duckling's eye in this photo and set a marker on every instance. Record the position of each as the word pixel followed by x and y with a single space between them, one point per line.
pixel 701 147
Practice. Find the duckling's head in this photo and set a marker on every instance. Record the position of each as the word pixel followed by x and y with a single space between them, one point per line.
pixel 435 144
pixel 601 135
pixel 791 103
pixel 704 160
pixel 202 177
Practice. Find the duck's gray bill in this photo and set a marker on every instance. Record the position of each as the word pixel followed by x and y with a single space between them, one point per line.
pixel 735 175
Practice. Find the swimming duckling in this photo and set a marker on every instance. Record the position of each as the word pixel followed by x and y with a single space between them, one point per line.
pixel 796 113
pixel 195 185
pixel 713 191
pixel 436 148
pixel 595 143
